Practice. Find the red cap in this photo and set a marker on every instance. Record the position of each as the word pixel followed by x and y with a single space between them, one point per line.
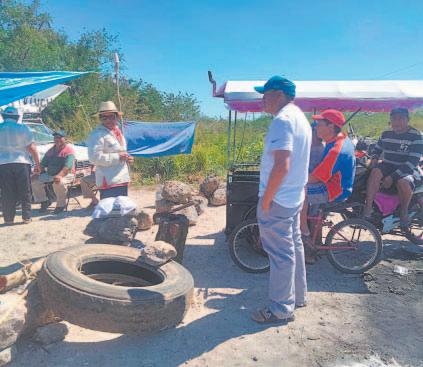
pixel 334 116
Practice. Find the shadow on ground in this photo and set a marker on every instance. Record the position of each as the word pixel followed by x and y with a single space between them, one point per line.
pixel 229 295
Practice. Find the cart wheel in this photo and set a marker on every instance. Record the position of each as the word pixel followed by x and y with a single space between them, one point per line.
pixel 246 249
pixel 415 234
pixel 354 246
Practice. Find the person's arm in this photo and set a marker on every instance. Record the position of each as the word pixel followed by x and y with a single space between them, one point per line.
pixel 377 151
pixel 312 179
pixel 96 154
pixel 278 173
pixel 69 160
pixel 32 149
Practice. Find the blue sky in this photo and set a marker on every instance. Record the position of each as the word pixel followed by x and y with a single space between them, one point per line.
pixel 172 44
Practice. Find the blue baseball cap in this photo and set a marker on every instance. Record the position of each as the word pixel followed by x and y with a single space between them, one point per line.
pixel 59 133
pixel 10 112
pixel 278 83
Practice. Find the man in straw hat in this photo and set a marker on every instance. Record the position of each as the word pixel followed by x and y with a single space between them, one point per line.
pixel 283 175
pixel 16 145
pixel 107 151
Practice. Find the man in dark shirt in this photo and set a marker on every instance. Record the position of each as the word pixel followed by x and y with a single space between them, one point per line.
pixel 58 164
pixel 402 149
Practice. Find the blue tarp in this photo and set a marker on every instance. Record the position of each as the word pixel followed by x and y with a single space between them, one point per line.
pixel 158 139
pixel 15 86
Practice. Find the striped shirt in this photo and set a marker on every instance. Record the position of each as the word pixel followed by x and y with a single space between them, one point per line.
pixel 402 150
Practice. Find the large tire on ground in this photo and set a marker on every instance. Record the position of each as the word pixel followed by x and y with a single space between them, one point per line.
pixel 146 300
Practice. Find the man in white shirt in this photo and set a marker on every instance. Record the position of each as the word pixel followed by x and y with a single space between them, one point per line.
pixel 283 175
pixel 16 146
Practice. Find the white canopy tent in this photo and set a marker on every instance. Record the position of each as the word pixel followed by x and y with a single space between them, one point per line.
pixel 368 95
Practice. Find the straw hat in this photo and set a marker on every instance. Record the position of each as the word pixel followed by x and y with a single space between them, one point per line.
pixel 107 106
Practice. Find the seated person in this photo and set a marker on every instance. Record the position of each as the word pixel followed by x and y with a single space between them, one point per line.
pixel 316 150
pixel 89 188
pixel 58 164
pixel 332 179
pixel 402 149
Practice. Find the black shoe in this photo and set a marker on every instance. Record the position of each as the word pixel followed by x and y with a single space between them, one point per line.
pixel 44 206
pixel 59 209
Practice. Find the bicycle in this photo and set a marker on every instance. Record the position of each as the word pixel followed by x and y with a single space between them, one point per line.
pixel 353 245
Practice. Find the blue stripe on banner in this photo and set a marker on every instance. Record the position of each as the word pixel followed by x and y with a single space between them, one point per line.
pixel 159 139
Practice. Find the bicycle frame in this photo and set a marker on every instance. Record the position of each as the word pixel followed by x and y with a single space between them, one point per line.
pixel 319 223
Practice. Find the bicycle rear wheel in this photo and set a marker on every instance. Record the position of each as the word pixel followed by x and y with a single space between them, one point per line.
pixel 354 246
pixel 246 249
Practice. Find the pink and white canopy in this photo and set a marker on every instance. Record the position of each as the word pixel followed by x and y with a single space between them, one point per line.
pixel 369 95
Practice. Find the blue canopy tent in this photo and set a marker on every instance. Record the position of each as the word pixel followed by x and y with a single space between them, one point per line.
pixel 145 139
pixel 15 86
pixel 159 139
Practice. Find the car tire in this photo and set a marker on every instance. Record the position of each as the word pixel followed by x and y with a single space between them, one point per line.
pixel 78 283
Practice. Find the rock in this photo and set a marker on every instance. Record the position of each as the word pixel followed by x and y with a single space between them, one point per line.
pixel 222 185
pixel 145 221
pixel 7 355
pixel 164 206
pixel 209 186
pixel 157 253
pixel 13 312
pixel 173 229
pixel 177 192
pixel 218 198
pixel 22 315
pixel 119 230
pixel 200 204
pixel 51 333
pixel 191 214
pixel 38 313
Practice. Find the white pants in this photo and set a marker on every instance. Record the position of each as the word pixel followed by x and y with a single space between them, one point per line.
pixel 60 189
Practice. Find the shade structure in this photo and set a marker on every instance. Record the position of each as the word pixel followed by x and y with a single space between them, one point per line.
pixel 17 86
pixel 38 101
pixel 367 95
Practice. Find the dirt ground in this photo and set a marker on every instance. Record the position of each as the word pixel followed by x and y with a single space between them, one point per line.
pixel 376 320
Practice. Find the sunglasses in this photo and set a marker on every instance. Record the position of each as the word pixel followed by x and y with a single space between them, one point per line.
pixel 108 117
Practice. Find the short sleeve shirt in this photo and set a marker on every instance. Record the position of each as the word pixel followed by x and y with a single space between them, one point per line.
pixel 14 141
pixel 289 131
pixel 55 160
pixel 337 168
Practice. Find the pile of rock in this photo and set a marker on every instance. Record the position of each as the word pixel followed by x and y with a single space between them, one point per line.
pixel 214 191
pixel 22 313
pixel 119 230
pixel 174 194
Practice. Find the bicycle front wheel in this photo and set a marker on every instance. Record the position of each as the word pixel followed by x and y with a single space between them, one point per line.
pixel 354 246
pixel 246 249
